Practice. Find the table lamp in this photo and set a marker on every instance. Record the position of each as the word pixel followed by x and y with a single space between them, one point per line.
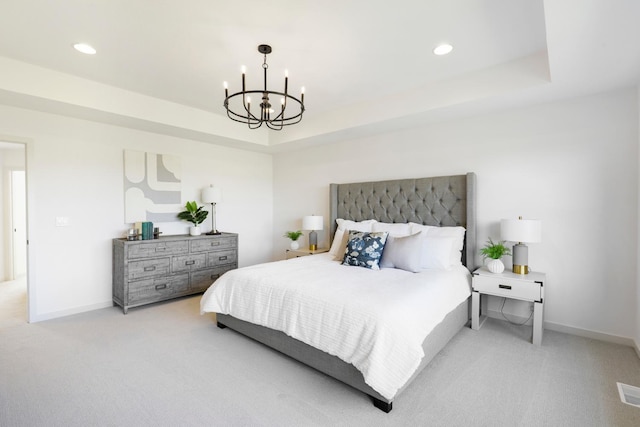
pixel 212 195
pixel 521 231
pixel 313 223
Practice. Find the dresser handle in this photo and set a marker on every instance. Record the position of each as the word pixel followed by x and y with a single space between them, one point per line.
pixel 189 262
pixel 215 276
pixel 150 268
pixel 161 249
pixel 222 258
pixel 160 287
pixel 504 286
pixel 215 243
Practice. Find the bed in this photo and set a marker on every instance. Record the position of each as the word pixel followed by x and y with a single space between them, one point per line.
pixel 446 202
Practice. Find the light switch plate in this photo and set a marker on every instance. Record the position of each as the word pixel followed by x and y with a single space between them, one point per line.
pixel 62 221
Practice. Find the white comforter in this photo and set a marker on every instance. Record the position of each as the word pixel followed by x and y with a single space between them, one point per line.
pixel 375 320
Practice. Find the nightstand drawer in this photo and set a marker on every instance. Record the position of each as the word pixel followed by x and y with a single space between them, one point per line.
pixel 505 287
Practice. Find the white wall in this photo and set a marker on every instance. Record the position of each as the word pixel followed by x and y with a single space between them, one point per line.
pixel 75 169
pixel 573 164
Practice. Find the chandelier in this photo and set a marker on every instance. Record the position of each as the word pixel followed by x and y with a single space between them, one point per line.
pixel 238 105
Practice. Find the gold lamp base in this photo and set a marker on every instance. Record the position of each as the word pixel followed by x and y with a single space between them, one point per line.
pixel 521 269
pixel 313 247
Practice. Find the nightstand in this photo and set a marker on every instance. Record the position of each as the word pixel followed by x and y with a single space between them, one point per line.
pixel 291 253
pixel 525 287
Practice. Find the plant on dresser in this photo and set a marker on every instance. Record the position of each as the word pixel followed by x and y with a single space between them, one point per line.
pixel 148 271
pixel 194 214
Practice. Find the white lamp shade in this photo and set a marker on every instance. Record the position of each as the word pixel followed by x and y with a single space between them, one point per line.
pixel 211 194
pixel 313 222
pixel 521 230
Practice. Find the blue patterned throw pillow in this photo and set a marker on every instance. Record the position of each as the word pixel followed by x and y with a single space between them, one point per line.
pixel 365 249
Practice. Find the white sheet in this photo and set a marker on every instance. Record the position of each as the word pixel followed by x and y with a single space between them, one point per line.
pixel 375 320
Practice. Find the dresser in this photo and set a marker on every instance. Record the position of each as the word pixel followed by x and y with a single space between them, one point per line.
pixel 148 271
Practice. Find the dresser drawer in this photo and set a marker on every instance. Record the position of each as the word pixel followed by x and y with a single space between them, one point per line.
pixel 148 268
pixel 153 249
pixel 187 263
pixel 158 289
pixel 205 245
pixel 510 288
pixel 222 258
pixel 201 280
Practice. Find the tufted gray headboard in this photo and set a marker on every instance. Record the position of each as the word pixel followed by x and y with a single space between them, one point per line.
pixel 438 201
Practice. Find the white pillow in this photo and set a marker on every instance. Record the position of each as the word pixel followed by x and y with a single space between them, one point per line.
pixel 394 229
pixel 340 239
pixel 457 233
pixel 404 252
pixel 347 224
pixel 436 252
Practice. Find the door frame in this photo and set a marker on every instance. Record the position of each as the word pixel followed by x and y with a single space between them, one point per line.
pixel 30 208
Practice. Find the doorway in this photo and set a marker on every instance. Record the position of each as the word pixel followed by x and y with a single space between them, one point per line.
pixel 13 214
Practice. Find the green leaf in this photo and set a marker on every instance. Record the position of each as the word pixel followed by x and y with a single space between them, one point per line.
pixel 293 235
pixel 494 250
pixel 193 214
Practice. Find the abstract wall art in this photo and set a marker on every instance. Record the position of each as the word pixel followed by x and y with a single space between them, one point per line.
pixel 152 187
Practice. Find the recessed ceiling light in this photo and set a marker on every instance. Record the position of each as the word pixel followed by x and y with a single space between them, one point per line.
pixel 84 48
pixel 443 49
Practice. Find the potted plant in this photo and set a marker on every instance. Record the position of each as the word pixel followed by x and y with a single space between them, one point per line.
pixel 494 251
pixel 195 215
pixel 294 236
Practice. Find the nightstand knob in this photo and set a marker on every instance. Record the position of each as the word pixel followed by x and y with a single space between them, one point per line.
pixel 504 286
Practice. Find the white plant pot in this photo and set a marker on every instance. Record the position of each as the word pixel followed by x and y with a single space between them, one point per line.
pixel 495 266
pixel 295 245
pixel 195 230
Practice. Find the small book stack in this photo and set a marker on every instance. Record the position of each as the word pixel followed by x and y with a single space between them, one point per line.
pixel 147 230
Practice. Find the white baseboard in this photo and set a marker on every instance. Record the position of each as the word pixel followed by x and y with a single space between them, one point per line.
pixel 69 312
pixel 551 326
pixel 601 336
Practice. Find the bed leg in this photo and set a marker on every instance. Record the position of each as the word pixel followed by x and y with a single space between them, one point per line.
pixel 382 405
pixel 220 325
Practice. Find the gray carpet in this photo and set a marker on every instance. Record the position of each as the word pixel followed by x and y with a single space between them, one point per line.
pixel 165 365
